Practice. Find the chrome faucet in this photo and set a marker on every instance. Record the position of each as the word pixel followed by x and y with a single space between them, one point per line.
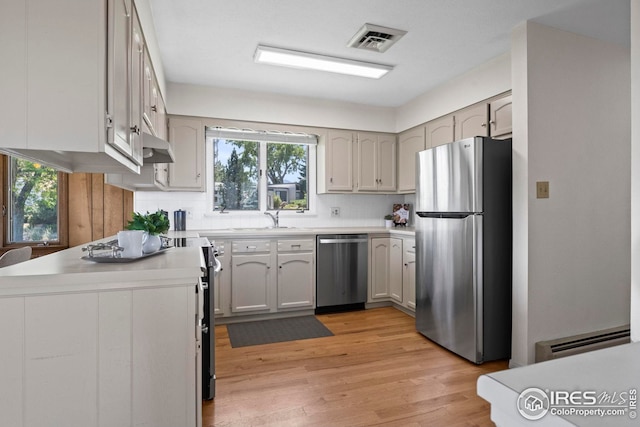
pixel 275 218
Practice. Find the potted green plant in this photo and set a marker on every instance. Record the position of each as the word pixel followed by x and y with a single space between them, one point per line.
pixel 388 221
pixel 153 224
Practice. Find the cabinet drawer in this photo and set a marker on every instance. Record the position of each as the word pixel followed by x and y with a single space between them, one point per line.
pixel 296 245
pixel 249 246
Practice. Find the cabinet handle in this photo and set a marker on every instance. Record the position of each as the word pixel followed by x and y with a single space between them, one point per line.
pixel 251 247
pixel 406 265
pixel 280 267
pixel 493 122
pixel 484 125
pixel 154 108
pixel 331 180
pixel 135 129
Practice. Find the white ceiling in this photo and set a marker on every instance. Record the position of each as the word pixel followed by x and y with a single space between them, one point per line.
pixel 212 42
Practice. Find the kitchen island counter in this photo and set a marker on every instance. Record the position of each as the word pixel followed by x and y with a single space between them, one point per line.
pixel 89 344
pixel 66 271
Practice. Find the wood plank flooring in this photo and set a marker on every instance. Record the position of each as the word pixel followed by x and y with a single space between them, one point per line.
pixel 375 371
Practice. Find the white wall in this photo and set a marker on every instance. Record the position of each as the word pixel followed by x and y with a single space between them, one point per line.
pixel 635 170
pixel 572 128
pixel 203 101
pixel 483 82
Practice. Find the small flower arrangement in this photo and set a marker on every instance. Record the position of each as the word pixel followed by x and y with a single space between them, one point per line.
pixel 388 217
pixel 153 223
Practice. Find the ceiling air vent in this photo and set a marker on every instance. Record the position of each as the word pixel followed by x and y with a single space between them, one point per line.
pixel 375 38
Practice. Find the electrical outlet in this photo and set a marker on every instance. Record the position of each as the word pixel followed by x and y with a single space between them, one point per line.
pixel 335 212
pixel 542 189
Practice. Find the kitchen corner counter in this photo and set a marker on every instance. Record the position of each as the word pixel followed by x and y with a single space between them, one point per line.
pixel 65 271
pixel 613 371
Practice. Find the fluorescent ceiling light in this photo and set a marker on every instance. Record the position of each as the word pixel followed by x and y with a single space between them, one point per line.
pixel 312 61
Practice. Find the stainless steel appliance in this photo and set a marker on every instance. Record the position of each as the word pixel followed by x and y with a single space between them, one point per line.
pixel 208 350
pixel 208 323
pixel 463 247
pixel 341 272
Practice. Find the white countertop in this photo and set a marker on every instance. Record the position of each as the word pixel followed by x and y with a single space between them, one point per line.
pixel 258 232
pixel 614 370
pixel 65 271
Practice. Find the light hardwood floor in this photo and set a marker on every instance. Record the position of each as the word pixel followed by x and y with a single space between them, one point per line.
pixel 375 371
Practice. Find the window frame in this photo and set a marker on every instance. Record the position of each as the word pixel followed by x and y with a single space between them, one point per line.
pixel 262 180
pixel 39 248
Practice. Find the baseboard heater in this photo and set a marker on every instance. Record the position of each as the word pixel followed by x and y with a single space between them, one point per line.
pixel 553 349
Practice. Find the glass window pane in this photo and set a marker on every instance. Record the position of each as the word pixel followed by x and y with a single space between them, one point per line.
pixel 33 204
pixel 236 175
pixel 287 176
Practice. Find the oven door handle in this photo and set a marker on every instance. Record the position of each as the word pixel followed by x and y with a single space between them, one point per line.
pixel 218 266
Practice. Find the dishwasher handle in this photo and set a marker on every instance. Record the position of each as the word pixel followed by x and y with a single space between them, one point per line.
pixel 338 241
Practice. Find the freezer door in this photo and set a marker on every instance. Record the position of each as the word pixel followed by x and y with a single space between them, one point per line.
pixel 448 283
pixel 449 177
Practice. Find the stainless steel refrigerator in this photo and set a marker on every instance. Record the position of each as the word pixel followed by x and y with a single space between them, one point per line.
pixel 463 247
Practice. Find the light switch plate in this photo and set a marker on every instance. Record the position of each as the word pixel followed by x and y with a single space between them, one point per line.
pixel 542 189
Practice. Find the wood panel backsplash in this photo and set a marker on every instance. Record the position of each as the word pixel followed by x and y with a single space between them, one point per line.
pixel 96 209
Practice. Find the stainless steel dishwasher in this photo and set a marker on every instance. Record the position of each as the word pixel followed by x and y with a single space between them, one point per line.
pixel 341 272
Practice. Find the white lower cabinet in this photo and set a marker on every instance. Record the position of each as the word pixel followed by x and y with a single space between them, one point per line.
pixel 258 287
pixel 251 282
pixel 296 280
pixel 385 268
pixel 100 358
pixel 392 268
pixel 409 274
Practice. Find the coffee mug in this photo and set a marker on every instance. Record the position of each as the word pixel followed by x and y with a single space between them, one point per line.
pixel 131 241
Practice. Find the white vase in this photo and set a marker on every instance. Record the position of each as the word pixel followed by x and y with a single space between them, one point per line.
pixel 388 223
pixel 151 244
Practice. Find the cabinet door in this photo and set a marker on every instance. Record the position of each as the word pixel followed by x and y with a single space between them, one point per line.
pixel 147 91
pixel 471 121
pixel 339 161
pixel 395 270
pixel 367 162
pixel 137 88
pixel 409 274
pixel 380 251
pixel 386 175
pixel 120 75
pixel 296 284
pixel 251 282
pixel 187 137
pixel 440 131
pixel 165 359
pixel 409 143
pixel 501 120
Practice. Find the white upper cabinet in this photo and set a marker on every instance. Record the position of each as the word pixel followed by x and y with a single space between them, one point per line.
pixel 66 92
pixel 440 131
pixel 410 142
pixel 187 171
pixel 339 161
pixel 471 121
pixel 500 111
pixel 376 162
